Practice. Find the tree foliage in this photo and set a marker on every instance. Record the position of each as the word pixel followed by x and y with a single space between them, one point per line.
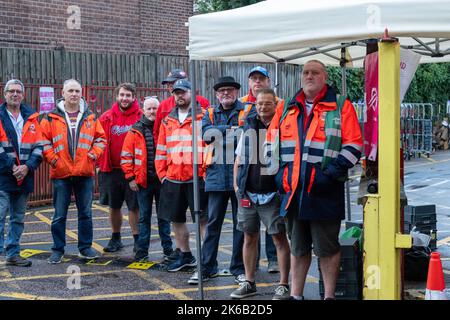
pixel 431 83
pixel 205 6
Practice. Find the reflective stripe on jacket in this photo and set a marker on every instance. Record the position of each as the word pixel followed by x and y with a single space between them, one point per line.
pixel 301 141
pixel 134 157
pixel 174 156
pixel 90 139
pixel 30 152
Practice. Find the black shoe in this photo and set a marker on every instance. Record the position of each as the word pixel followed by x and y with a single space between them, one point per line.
pixel 183 261
pixel 135 247
pixel 173 256
pixel 18 261
pixel 140 255
pixel 113 245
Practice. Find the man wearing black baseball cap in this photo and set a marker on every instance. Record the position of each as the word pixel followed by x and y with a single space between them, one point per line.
pixel 167 105
pixel 174 168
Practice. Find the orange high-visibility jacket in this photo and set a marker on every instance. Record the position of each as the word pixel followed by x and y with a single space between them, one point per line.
pixel 134 157
pixel 302 149
pixel 65 159
pixel 174 156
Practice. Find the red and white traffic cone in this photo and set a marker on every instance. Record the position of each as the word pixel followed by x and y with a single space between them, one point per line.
pixel 435 282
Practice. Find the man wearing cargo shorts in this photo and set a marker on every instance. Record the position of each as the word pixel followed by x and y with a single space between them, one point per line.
pixel 258 199
pixel 319 139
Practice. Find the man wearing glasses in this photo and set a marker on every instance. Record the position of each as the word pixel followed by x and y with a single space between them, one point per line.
pixel 219 126
pixel 20 155
pixel 258 78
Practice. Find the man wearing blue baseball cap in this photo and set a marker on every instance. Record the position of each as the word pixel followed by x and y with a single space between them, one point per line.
pixel 258 78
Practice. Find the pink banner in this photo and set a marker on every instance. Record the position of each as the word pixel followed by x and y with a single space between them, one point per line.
pixel 47 99
pixel 371 125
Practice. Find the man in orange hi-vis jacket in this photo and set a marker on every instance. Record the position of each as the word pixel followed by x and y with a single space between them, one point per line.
pixel 73 140
pixel 319 139
pixel 138 165
pixel 173 162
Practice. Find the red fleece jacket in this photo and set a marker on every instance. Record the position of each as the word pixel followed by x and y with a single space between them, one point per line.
pixel 116 124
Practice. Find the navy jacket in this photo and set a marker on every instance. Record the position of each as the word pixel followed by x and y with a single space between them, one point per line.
pixel 7 181
pixel 219 175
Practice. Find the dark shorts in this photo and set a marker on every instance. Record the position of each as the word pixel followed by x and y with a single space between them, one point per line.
pixel 322 236
pixel 175 198
pixel 114 190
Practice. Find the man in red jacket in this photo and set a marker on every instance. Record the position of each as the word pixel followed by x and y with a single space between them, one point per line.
pixel 114 188
pixel 168 104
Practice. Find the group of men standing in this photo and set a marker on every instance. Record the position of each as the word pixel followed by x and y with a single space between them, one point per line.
pixel 282 163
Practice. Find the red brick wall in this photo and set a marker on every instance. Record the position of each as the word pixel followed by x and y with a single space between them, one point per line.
pixel 131 26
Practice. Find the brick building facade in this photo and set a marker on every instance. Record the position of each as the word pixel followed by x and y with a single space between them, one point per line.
pixel 109 26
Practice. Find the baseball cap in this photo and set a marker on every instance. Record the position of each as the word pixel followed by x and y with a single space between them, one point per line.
pixel 182 84
pixel 174 75
pixel 259 69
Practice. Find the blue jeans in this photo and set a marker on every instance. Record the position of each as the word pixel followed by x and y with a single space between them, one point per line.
pixel 16 203
pixel 145 200
pixel 217 206
pixel 83 188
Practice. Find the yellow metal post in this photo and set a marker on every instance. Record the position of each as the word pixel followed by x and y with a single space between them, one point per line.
pixel 382 278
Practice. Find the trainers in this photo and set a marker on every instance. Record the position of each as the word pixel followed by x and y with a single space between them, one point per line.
pixel 300 298
pixel 167 253
pixel 56 257
pixel 281 292
pixel 18 261
pixel 194 278
pixel 173 256
pixel 182 262
pixel 246 289
pixel 273 267
pixel 113 245
pixel 88 254
pixel 141 256
pixel 239 278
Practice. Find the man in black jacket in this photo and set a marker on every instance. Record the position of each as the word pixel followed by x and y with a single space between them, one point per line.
pixel 258 199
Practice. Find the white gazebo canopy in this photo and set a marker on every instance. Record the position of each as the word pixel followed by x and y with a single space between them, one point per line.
pixel 294 30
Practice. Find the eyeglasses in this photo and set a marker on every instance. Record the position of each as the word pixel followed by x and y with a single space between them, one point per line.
pixel 14 91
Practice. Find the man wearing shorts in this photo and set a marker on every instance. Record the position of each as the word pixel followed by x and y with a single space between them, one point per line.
pixel 114 188
pixel 258 199
pixel 319 139
pixel 173 162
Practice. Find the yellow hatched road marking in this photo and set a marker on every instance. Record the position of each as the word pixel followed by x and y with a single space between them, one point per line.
pixel 162 285
pixel 63 275
pixel 30 252
pixel 24 296
pixel 69 233
pixel 175 291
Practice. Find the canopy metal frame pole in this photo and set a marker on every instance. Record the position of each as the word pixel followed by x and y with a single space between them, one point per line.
pixel 195 176
pixel 344 93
